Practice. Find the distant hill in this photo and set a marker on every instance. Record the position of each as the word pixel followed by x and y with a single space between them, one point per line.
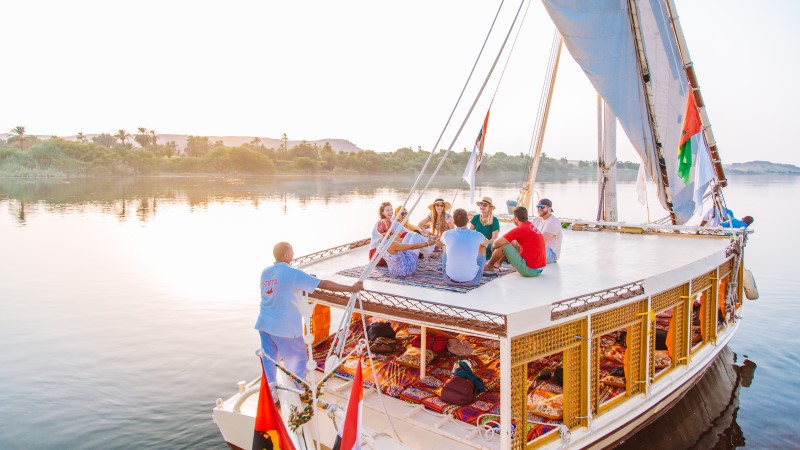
pixel 339 145
pixel 761 167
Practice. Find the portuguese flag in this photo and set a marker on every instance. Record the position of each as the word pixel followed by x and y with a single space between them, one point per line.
pixel 269 432
pixel 691 126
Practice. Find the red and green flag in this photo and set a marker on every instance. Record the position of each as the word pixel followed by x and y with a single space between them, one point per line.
pixel 691 126
pixel 269 432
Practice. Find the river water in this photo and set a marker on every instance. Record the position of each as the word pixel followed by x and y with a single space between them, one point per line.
pixel 127 305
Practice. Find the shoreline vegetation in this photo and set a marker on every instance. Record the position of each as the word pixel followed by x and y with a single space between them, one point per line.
pixel 106 156
pixel 23 156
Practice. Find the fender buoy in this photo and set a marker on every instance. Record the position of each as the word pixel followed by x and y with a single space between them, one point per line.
pixel 749 285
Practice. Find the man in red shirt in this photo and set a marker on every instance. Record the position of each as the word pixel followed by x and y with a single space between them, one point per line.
pixel 523 247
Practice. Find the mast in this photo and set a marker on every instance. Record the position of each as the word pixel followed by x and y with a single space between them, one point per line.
pixel 688 66
pixel 524 198
pixel 641 58
pixel 606 162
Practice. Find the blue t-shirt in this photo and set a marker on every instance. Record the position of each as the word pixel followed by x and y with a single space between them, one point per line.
pixel 281 287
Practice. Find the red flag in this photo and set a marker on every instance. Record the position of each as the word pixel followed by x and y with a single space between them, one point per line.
pixel 349 436
pixel 691 120
pixel 269 432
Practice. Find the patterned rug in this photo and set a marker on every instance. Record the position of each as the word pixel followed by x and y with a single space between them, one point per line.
pixel 428 275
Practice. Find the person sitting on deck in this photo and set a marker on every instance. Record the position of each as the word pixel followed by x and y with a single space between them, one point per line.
pixel 486 223
pixel 550 227
pixel 713 218
pixel 381 227
pixel 416 235
pixel 464 252
pixel 280 324
pixel 401 258
pixel 439 219
pixel 523 247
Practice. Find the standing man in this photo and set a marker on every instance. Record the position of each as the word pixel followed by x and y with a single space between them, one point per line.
pixel 465 252
pixel 280 323
pixel 523 247
pixel 550 227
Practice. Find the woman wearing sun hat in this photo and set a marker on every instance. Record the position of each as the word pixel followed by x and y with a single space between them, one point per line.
pixel 486 223
pixel 438 219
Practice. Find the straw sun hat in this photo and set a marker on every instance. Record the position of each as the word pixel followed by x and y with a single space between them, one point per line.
pixel 447 205
pixel 487 200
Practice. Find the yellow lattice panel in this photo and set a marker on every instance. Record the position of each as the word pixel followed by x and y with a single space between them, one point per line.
pixel 572 387
pixel 526 348
pixel 617 318
pixel 725 268
pixel 665 300
pixel 635 378
pixel 681 343
pixel 519 404
pixel 702 282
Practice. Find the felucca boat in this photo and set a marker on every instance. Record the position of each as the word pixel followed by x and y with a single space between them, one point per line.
pixel 595 348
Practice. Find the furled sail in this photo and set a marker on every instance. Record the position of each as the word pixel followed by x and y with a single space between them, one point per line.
pixel 601 38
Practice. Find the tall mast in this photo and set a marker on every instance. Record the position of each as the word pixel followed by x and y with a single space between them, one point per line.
pixel 688 66
pixel 633 12
pixel 526 191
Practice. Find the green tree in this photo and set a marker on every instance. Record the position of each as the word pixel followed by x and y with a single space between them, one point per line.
pixel 154 137
pixel 142 138
pixel 197 145
pixel 304 149
pixel 170 149
pixel 81 137
pixel 105 140
pixel 19 132
pixel 122 135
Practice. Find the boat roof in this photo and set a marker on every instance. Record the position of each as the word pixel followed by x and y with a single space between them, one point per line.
pixel 591 262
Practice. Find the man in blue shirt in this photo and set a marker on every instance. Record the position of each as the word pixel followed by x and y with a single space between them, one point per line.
pixel 279 323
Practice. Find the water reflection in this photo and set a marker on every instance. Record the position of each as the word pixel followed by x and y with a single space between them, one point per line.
pixel 706 416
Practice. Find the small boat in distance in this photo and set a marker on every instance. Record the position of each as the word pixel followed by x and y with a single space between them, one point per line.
pixel 597 347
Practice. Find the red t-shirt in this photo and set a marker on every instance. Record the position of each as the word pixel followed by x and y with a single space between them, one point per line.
pixel 531 244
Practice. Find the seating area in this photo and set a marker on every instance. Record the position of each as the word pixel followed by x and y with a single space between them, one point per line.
pixel 400 375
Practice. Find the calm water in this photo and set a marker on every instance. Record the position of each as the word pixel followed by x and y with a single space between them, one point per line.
pixel 126 306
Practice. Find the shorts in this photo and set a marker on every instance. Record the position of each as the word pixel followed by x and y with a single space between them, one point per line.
pixel 515 259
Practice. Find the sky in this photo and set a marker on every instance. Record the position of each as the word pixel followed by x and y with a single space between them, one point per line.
pixel 382 75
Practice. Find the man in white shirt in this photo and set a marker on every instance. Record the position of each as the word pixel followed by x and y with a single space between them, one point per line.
pixel 550 227
pixel 464 252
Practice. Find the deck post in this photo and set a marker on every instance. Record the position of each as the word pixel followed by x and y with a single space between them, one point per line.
pixel 423 349
pixel 505 393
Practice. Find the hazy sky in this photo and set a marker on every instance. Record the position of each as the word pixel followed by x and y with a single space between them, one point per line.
pixel 381 75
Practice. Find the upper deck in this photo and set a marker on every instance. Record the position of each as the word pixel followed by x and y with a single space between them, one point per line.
pixel 595 269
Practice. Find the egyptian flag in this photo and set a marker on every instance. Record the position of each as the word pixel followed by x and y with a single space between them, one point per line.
pixel 691 126
pixel 349 436
pixel 269 432
pixel 475 159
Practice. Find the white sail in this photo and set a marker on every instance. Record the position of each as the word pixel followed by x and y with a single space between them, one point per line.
pixel 600 38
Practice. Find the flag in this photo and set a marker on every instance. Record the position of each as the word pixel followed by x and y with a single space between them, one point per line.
pixel 475 159
pixel 703 174
pixel 691 126
pixel 269 432
pixel 349 436
pixel 641 186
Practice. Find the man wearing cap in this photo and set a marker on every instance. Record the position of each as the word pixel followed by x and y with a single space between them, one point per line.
pixel 279 323
pixel 464 252
pixel 550 227
pixel 523 247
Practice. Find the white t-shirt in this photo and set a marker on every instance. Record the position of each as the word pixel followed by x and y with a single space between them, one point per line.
pixel 461 246
pixel 553 226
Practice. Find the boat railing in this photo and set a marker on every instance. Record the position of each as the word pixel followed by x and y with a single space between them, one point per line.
pixel 650 228
pixel 423 311
pixel 581 303
pixel 327 253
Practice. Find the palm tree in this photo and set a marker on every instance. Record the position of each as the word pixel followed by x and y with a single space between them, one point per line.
pixel 155 138
pixel 81 137
pixel 20 132
pixel 122 135
pixel 142 139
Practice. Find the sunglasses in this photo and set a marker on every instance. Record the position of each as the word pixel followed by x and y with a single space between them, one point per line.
pixel 403 213
pixel 485 204
pixel 541 206
pixel 439 204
